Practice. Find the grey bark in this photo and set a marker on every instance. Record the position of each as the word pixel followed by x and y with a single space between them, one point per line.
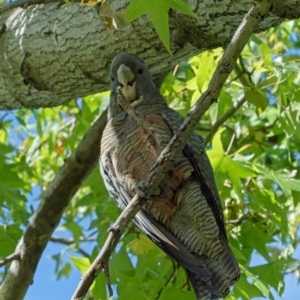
pixel 51 53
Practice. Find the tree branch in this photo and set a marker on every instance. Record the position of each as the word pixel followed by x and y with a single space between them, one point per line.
pixel 31 29
pixel 172 275
pixel 245 78
pixel 9 258
pixel 224 118
pixel 47 216
pixel 70 241
pixel 177 143
pixel 27 3
pixel 292 270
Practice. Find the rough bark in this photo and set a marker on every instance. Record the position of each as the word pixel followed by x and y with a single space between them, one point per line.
pixel 51 53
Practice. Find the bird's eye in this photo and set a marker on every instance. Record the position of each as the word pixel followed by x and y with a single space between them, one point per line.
pixel 112 78
pixel 141 71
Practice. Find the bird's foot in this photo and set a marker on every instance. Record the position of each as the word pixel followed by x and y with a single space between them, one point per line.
pixel 137 102
pixel 131 109
pixel 140 188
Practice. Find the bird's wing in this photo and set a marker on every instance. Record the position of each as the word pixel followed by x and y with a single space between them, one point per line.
pixel 153 229
pixel 195 153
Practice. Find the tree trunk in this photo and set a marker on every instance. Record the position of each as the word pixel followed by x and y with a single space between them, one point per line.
pixel 51 53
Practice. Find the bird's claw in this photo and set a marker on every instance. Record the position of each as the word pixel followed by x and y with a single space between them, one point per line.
pixel 139 189
pixel 137 102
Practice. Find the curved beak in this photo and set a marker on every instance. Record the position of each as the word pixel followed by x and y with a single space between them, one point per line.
pixel 127 81
pixel 125 76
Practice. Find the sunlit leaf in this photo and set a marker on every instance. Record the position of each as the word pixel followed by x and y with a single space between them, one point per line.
pixel 141 245
pixel 81 263
pixel 158 13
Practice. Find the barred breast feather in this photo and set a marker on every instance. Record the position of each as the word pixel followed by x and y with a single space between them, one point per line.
pixel 185 215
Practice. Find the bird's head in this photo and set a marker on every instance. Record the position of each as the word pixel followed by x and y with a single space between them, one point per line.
pixel 130 72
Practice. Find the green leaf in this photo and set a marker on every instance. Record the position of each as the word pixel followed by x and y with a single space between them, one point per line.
pixel 181 6
pixel 65 271
pixel 120 265
pixel 171 293
pixel 284 180
pixel 259 284
pixel 141 246
pixel 81 263
pixel 244 290
pixel 9 177
pixel 224 164
pixel 272 274
pixel 9 236
pixel 5 148
pixel 74 228
pixel 206 66
pixel 158 13
pixel 257 97
pixel 217 143
pixel 255 237
pixel 99 287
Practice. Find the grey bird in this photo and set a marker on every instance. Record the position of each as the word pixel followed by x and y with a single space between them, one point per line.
pixel 185 217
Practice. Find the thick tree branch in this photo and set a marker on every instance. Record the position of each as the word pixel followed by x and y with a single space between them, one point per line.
pixel 176 145
pixel 42 44
pixel 56 197
pixel 27 3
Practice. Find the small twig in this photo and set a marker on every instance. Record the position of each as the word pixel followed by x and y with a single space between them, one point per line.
pixel 177 143
pixel 241 220
pixel 246 81
pixel 187 282
pixel 70 241
pixel 293 270
pixel 9 258
pixel 203 129
pixel 248 217
pixel 230 143
pixel 3 116
pixel 173 272
pixel 107 277
pixel 224 118
pixel 46 141
pixel 132 229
